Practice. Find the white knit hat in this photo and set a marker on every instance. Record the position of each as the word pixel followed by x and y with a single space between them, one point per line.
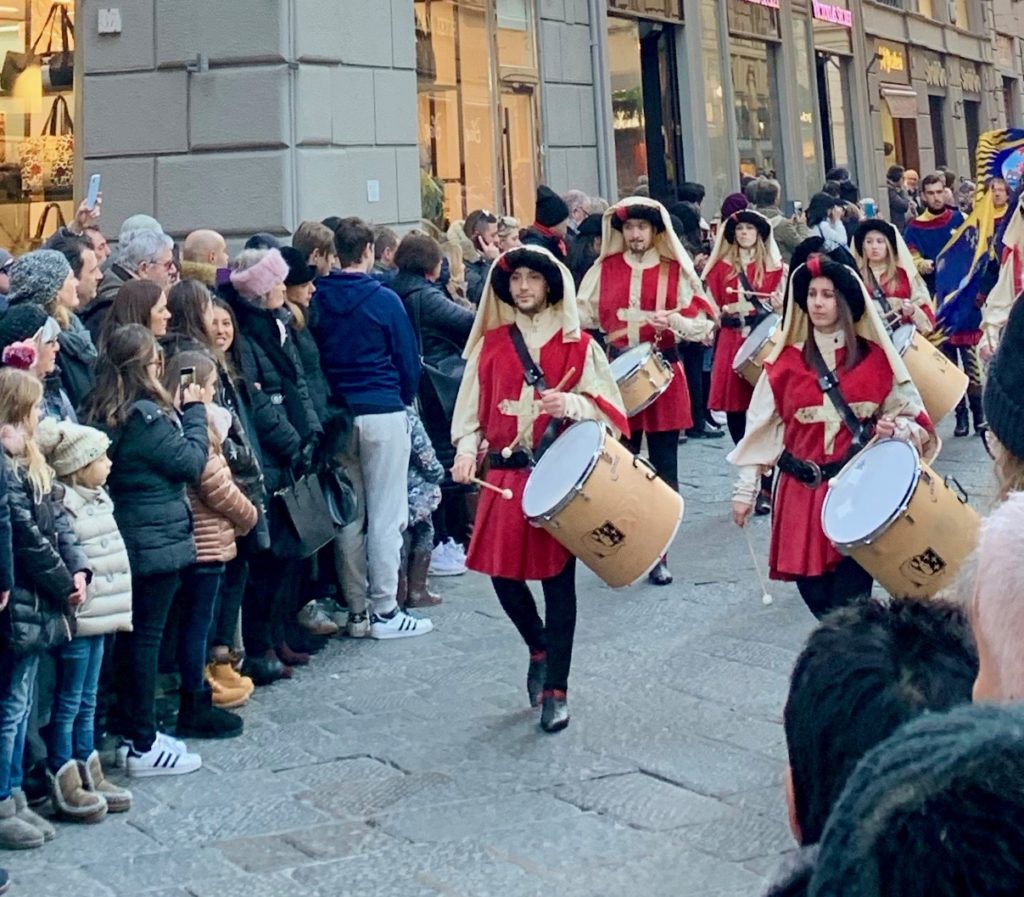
pixel 70 447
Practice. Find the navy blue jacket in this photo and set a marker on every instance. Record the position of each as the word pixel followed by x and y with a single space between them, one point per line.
pixel 367 346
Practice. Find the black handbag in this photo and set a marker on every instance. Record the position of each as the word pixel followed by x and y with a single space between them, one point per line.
pixel 300 522
pixel 340 495
pixel 445 377
pixel 59 66
pixel 10 182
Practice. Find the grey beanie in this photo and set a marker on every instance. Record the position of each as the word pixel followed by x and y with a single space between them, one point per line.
pixel 37 276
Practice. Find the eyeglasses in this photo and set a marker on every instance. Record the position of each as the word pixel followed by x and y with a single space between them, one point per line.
pixel 167 266
pixel 988 440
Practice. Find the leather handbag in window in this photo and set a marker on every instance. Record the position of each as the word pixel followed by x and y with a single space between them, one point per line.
pixel 42 233
pixel 59 65
pixel 300 522
pixel 16 62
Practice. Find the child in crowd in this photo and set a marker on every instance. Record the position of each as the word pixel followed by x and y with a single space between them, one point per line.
pixel 425 477
pixel 51 574
pixel 221 513
pixel 78 456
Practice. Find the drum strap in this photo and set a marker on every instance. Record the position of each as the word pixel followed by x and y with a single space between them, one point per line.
pixel 661 296
pixel 828 383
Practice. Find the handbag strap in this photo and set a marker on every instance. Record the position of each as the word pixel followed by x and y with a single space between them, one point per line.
pixel 67 29
pixel 41 226
pixel 828 383
pixel 67 125
pixel 47 29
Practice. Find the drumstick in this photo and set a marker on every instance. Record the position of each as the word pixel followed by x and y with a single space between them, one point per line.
pixel 894 415
pixel 521 435
pixel 504 493
pixel 749 293
pixel 766 597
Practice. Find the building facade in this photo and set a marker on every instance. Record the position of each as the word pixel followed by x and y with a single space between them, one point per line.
pixel 246 115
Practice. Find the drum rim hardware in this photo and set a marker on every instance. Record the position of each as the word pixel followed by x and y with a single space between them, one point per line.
pixel 577 487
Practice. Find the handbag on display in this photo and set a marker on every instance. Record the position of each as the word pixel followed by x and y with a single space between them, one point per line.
pixel 41 236
pixel 15 62
pixel 59 65
pixel 300 521
pixel 48 161
pixel 10 182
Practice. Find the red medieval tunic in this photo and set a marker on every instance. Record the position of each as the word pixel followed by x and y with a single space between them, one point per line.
pixel 813 431
pixel 504 543
pixel 730 391
pixel 895 291
pixel 671 410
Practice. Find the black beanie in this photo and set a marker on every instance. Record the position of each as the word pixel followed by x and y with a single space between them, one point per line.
pixel 846 281
pixel 590 226
pixel 551 208
pixel 1004 387
pixel 21 322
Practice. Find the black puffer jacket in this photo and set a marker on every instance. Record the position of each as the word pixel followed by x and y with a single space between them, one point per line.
pixel 476 279
pixel 77 360
pixel 46 556
pixel 154 459
pixel 441 326
pixel 276 371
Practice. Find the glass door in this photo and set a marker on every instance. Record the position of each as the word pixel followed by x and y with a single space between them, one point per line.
pixel 518 152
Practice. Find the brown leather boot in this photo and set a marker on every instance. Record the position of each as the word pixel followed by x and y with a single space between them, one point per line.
pixel 418 593
pixel 71 800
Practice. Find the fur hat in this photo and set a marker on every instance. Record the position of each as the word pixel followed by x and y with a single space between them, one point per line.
pixel 37 276
pixel 844 278
pixel 733 203
pixel 590 226
pixel 882 227
pixel 1004 386
pixel 747 216
pixel 816 245
pixel 501 274
pixel 21 322
pixel 300 272
pixel 262 240
pixel 261 278
pixel 69 447
pixel 551 208
pixel 638 212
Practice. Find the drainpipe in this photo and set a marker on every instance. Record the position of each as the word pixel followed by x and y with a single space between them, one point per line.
pixel 607 178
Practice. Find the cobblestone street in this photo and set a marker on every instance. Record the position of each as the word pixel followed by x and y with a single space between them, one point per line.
pixel 414 769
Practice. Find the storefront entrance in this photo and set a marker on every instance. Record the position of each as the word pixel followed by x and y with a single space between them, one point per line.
pixel 645 106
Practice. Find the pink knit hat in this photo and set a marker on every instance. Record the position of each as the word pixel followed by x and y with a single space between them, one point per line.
pixel 262 277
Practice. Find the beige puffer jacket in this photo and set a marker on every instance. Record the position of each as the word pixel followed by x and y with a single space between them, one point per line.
pixel 221 513
pixel 108 603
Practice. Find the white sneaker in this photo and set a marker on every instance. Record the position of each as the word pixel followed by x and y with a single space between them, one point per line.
pixel 162 760
pixel 456 551
pixel 174 744
pixel 445 562
pixel 358 625
pixel 399 625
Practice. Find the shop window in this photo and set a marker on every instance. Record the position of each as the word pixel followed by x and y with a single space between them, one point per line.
pixel 972 124
pixel 723 170
pixel 960 14
pixel 477 78
pixel 748 19
pixel 1010 100
pixel 806 109
pixel 833 103
pixel 667 10
pixel 37 105
pixel 926 8
pixel 935 113
pixel 627 104
pixel 753 79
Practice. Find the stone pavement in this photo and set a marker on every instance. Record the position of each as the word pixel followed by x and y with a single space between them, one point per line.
pixel 413 768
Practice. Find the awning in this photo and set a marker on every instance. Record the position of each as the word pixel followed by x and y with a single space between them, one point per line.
pixel 902 101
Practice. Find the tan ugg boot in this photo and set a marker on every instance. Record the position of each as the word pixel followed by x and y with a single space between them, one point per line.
pixel 70 798
pixel 26 814
pixel 119 800
pixel 15 833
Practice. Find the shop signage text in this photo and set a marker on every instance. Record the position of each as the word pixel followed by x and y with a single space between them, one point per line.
pixel 970 80
pixel 771 4
pixel 834 15
pixel 935 73
pixel 891 60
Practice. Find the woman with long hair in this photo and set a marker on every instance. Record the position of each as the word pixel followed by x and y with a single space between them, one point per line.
pixel 159 446
pixel 893 281
pixel 190 327
pixel 137 302
pixel 830 322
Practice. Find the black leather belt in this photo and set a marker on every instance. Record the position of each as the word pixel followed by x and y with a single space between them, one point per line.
pixel 519 460
pixel 810 473
pixel 729 322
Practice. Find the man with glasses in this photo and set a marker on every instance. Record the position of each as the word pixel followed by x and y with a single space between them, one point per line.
pixel 481 229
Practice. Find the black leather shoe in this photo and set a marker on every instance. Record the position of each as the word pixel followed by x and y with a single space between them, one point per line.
pixel 535 676
pixel 763 503
pixel 704 433
pixel 660 575
pixel 963 423
pixel 264 670
pixel 555 713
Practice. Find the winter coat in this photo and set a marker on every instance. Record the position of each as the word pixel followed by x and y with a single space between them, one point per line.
pixel 77 361
pixel 108 603
pixel 788 233
pixel 367 346
pixel 900 206
pixel 220 511
pixel 6 552
pixel 476 279
pixel 95 313
pixel 442 326
pixel 309 358
pixel 425 473
pixel 154 457
pixel 46 557
pixel 284 417
pixel 56 403
pixel 552 242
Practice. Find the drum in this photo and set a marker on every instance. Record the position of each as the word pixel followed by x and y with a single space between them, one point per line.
pixel 642 375
pixel 891 512
pixel 749 360
pixel 602 503
pixel 941 383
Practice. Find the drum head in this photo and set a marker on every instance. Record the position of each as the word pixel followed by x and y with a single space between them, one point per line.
pixel 563 466
pixel 624 365
pixel 757 338
pixel 869 492
pixel 903 337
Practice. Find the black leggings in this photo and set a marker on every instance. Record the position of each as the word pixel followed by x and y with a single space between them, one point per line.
pixel 737 421
pixel 555 635
pixel 844 585
pixel 692 357
pixel 662 451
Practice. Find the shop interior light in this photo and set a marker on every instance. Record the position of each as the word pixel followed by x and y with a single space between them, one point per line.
pixel 5 28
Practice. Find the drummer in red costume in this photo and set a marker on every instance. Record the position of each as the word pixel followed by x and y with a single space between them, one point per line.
pixel 891 276
pixel 643 289
pixel 795 426
pixel 530 299
pixel 745 250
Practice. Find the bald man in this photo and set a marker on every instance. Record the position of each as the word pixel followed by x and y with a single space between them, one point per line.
pixel 204 252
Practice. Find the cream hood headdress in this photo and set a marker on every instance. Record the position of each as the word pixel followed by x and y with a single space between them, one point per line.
pixel 720 247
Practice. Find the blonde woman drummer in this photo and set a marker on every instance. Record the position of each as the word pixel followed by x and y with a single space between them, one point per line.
pixel 528 307
pixel 743 275
pixel 892 278
pixel 794 426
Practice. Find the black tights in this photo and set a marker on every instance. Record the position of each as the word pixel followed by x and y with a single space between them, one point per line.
pixel 555 635
pixel 662 451
pixel 737 421
pixel 842 586
pixel 692 357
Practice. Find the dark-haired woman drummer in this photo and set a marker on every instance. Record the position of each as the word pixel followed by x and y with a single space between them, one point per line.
pixel 528 292
pixel 793 425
